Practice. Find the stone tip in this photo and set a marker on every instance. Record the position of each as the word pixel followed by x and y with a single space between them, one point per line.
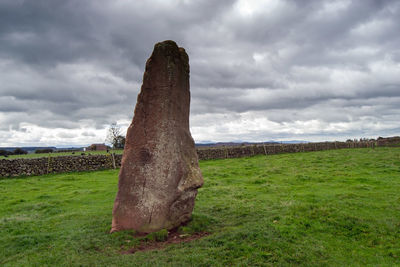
pixel 167 45
pixel 169 48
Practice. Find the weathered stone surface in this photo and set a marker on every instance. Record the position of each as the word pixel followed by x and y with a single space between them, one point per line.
pixel 159 175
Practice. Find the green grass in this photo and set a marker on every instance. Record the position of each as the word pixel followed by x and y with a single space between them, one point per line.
pixel 327 208
pixel 41 155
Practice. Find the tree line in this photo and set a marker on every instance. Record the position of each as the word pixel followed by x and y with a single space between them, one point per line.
pixel 17 151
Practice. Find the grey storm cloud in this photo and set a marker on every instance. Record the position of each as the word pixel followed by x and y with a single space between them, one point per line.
pixel 76 65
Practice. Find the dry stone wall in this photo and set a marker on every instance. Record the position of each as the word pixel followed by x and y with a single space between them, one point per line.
pixel 61 164
pixel 390 141
pixel 57 164
pixel 248 151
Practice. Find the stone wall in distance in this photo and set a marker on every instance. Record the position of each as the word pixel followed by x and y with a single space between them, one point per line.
pixel 57 164
pixel 61 164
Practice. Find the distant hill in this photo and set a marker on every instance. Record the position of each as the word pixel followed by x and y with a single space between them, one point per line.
pixel 30 149
pixel 217 144
pixel 295 142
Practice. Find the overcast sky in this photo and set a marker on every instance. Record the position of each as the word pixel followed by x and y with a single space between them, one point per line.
pixel 260 70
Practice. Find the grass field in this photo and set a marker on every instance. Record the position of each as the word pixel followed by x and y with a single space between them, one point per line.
pixel 327 208
pixel 41 155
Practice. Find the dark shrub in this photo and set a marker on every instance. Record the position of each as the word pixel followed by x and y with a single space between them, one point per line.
pixel 19 151
pixel 5 153
pixel 45 150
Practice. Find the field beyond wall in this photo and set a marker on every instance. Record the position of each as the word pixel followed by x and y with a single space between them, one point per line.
pixel 330 208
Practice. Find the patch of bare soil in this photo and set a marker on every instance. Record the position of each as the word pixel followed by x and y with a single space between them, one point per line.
pixel 173 238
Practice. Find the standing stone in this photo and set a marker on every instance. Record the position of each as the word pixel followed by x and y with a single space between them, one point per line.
pixel 159 175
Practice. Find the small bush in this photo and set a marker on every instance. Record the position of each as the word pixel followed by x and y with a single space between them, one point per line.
pixel 19 151
pixel 5 153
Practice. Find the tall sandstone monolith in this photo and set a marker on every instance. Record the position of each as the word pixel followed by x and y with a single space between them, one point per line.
pixel 159 175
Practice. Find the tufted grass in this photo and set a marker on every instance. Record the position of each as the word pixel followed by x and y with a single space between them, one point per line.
pixel 326 208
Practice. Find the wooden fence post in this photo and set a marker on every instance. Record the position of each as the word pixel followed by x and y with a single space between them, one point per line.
pixel 265 150
pixel 113 160
pixel 48 164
